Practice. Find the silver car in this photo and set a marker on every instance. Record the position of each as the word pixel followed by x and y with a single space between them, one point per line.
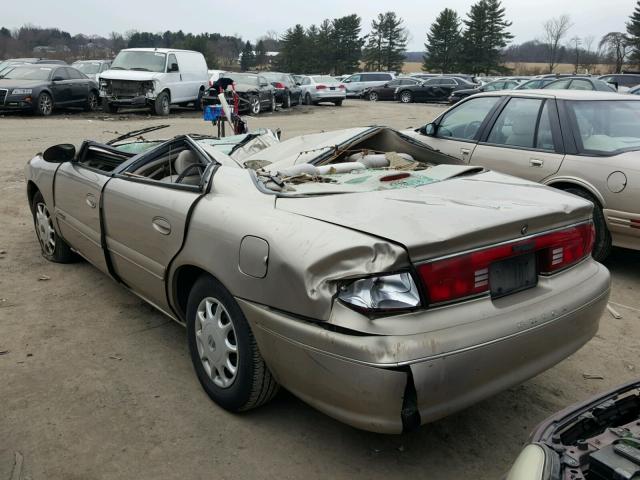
pixel 322 88
pixel 584 142
pixel 357 82
pixel 92 68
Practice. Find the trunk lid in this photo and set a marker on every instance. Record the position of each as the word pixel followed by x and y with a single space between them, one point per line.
pixel 449 216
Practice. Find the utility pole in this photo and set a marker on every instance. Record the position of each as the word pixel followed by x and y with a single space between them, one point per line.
pixel 577 42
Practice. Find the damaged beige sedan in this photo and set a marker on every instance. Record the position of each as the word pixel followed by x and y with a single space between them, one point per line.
pixel 378 280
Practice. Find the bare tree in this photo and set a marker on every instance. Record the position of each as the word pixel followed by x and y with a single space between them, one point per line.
pixel 589 57
pixel 617 47
pixel 555 29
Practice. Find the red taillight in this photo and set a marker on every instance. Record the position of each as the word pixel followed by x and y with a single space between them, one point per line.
pixel 278 85
pixel 210 83
pixel 467 275
pixel 321 87
pixel 342 87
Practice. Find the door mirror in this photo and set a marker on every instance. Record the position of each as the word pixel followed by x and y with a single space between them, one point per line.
pixel 58 79
pixel 298 84
pixel 429 129
pixel 173 68
pixel 64 152
pixel 264 84
pixel 346 80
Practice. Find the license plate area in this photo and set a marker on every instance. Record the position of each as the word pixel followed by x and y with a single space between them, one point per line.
pixel 513 275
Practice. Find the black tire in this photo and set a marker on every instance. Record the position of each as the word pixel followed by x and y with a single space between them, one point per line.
pixel 162 105
pixel 307 99
pixel 93 102
pixel 109 107
pixel 53 247
pixel 44 105
pixel 406 97
pixel 338 103
pixel 272 107
pixel 286 103
pixel 253 384
pixel 373 96
pixel 602 245
pixel 197 105
pixel 254 105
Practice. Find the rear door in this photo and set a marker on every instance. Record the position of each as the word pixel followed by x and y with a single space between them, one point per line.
pixel 145 222
pixel 79 86
pixel 524 140
pixel 459 128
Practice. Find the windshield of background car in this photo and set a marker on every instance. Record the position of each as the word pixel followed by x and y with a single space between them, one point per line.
pixel 28 73
pixel 323 79
pixel 141 61
pixel 87 68
pixel 606 127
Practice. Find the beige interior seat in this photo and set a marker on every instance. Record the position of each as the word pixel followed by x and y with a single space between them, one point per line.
pixel 185 159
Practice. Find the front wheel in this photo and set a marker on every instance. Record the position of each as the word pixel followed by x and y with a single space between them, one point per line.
pixel 406 97
pixel 338 103
pixel 109 107
pixel 254 105
pixel 286 103
pixel 273 103
pixel 224 351
pixel 307 99
pixel 54 248
pixel 44 105
pixel 162 105
pixel 602 244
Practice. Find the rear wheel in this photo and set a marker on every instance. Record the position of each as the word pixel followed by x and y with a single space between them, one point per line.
pixel 53 247
pixel 406 97
pixel 197 105
pixel 44 105
pixel 224 351
pixel 373 96
pixel 307 99
pixel 286 103
pixel 272 107
pixel 338 103
pixel 93 102
pixel 602 245
pixel 162 105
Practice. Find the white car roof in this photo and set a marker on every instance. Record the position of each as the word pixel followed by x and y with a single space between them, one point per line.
pixel 158 50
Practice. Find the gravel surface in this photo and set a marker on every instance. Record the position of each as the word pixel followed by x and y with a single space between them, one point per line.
pixel 95 384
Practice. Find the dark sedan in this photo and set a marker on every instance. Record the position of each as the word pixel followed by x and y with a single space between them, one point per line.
pixel 437 89
pixel 40 88
pixel 288 92
pixel 504 84
pixel 255 92
pixel 580 83
pixel 387 91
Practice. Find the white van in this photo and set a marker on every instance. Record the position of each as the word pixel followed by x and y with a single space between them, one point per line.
pixel 357 82
pixel 155 77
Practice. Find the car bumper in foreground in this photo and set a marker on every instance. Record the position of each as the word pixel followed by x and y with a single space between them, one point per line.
pixel 624 228
pixel 389 383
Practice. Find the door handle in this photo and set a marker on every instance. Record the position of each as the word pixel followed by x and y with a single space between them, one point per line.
pixel 536 162
pixel 161 225
pixel 465 153
pixel 91 200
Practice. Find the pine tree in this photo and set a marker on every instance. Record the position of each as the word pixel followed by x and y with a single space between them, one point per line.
pixel 292 58
pixel 443 43
pixel 248 58
pixel 346 43
pixel 261 54
pixel 326 49
pixel 484 37
pixel 633 34
pixel 386 44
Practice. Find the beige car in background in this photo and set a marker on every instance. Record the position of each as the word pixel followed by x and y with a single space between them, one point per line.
pixel 583 142
pixel 383 283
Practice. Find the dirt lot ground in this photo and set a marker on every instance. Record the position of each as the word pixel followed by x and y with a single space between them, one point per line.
pixel 96 384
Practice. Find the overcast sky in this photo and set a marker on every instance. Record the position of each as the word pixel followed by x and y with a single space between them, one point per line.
pixel 252 18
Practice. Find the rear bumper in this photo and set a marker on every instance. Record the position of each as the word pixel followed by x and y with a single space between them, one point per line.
pixel 386 383
pixel 624 228
pixel 328 96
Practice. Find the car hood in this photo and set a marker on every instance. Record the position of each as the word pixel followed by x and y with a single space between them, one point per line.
pixel 130 75
pixel 448 216
pixel 9 83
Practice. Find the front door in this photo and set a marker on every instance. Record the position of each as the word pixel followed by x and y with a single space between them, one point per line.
pixel 145 220
pixel 174 79
pixel 458 129
pixel 62 87
pixel 524 140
